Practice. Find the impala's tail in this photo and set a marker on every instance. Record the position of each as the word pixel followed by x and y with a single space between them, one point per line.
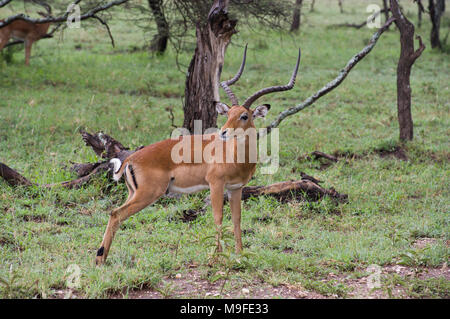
pixel 118 168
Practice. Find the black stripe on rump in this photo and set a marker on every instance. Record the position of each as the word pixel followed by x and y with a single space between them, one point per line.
pixel 133 176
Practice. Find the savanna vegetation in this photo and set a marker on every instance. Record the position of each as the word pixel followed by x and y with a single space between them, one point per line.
pixel 396 216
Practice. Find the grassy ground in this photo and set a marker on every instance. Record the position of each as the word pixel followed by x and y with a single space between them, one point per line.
pixel 318 248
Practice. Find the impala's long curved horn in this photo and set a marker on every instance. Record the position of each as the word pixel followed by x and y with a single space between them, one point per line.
pixel 272 89
pixel 226 84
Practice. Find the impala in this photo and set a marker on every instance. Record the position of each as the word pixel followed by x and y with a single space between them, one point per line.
pixel 25 31
pixel 152 171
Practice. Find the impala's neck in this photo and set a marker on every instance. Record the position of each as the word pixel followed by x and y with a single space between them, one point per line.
pixel 244 148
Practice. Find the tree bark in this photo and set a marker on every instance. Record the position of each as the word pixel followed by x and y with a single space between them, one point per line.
pixel 407 58
pixel 202 81
pixel 159 41
pixel 436 8
pixel 296 18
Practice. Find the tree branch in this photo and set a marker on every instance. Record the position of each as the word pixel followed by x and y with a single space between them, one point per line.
pixel 90 14
pixel 360 25
pixel 334 83
pixel 419 51
pixel 107 28
pixel 4 3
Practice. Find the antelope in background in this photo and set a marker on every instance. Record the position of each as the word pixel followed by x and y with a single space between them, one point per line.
pixel 151 172
pixel 26 31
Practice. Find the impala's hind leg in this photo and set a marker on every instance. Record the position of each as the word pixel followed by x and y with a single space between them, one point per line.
pixel 140 199
pixel 131 191
pixel 28 44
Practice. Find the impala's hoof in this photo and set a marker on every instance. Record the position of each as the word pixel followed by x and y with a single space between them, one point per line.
pixel 100 259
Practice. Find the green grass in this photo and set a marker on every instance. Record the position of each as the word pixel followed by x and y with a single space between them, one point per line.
pixel 392 203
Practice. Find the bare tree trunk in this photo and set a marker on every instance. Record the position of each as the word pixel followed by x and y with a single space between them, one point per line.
pixel 313 2
pixel 436 9
pixel 407 58
pixel 202 81
pixel 420 10
pixel 295 26
pixel 159 41
pixel 386 10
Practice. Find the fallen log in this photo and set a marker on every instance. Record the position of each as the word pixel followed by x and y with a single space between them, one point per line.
pixel 12 177
pixel 293 190
pixel 318 155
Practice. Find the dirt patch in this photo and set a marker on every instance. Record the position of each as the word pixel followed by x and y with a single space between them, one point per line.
pixel 397 152
pixel 366 287
pixel 421 243
pixel 421 273
pixel 193 285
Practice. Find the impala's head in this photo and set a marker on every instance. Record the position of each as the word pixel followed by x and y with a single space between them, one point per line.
pixel 240 117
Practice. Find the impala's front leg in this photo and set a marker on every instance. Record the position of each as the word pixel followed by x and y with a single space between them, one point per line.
pixel 235 204
pixel 217 208
pixel 28 44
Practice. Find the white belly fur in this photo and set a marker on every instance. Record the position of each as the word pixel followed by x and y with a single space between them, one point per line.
pixel 198 188
pixel 233 186
pixel 187 190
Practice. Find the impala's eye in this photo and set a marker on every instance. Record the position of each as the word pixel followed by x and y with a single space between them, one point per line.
pixel 244 117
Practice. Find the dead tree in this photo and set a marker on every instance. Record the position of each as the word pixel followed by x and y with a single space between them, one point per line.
pixel 214 27
pixel 407 58
pixel 202 81
pixel 296 18
pixel 436 8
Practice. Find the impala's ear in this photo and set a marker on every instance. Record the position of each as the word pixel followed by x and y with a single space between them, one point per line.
pixel 261 110
pixel 222 108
